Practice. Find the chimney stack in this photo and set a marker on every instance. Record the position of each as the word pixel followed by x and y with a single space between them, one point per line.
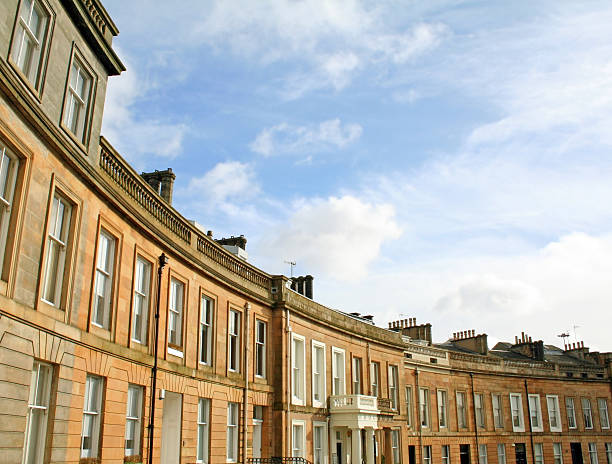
pixel 162 182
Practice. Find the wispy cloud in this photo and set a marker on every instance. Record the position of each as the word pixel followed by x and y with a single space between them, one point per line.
pixel 135 136
pixel 288 139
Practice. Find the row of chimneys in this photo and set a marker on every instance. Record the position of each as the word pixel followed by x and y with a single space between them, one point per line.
pixel 573 346
pixel 403 323
pixel 464 334
pixel 162 182
pixel 302 285
pixel 524 338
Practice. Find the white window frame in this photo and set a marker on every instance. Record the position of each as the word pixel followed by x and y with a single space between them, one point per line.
pixel 604 418
pixel 133 416
pixel 261 348
pixel 587 413
pixel 501 453
pixel 206 330
pixel 234 340
pixel 232 432
pixel 483 458
pixel 498 410
pixel 375 378
pixel 357 371
pixel 338 372
pixel 535 412
pixel 593 458
pixel 445 453
pixel 570 410
pixel 558 453
pixel 203 431
pixel 298 369
pixel 9 168
pixel 608 447
pixel 37 420
pixel 319 450
pixel 396 446
pixel 298 439
pixel 77 104
pixel 538 453
pixel 142 297
pixel 92 416
pixel 516 412
pixel 424 413
pixel 462 422
pixel 105 280
pixel 176 315
pixel 409 405
pixel 479 409
pixel 427 454
pixel 318 367
pixel 393 384
pixel 442 408
pixel 554 413
pixel 58 234
pixel 31 62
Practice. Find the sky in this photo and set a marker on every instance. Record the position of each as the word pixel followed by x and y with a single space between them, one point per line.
pixel 446 160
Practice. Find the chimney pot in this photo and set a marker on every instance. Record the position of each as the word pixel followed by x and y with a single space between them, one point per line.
pixel 529 339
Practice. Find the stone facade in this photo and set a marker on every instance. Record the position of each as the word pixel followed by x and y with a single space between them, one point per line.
pixel 77 309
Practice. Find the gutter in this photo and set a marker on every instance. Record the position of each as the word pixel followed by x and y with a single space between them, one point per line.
pixel 245 399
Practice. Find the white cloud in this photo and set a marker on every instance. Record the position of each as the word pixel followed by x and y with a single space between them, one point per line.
pixel 287 139
pixel 136 137
pixel 338 236
pixel 230 181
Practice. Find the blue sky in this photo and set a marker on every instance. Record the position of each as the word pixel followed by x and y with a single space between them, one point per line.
pixel 447 160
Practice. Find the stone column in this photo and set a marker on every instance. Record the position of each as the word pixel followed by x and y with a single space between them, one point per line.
pixel 355 446
pixel 369 440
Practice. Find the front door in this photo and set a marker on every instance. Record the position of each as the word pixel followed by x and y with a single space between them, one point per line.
pixel 520 453
pixel 576 453
pixel 464 454
pixel 171 428
pixel 257 427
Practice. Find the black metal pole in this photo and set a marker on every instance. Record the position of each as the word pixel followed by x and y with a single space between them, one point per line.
pixel 163 259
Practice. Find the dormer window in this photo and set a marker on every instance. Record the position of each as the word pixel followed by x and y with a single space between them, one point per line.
pixel 30 40
pixel 77 106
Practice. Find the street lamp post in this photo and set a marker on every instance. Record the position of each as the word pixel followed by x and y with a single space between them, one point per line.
pixel 162 261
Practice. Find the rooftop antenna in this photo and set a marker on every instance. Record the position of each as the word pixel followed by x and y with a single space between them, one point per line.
pixel 291 263
pixel 575 337
pixel 564 335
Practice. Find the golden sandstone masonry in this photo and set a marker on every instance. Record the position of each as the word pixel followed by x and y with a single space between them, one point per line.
pixel 249 366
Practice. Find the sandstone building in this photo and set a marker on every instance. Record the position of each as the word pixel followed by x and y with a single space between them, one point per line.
pixel 249 367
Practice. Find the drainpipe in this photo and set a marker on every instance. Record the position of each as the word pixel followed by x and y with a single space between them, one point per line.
pixel 475 422
pixel 529 420
pixel 418 414
pixel 245 399
pixel 288 355
pixel 163 260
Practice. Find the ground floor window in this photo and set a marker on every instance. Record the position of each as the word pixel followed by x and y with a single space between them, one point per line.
pixel 203 415
pixel 593 453
pixel 426 455
pixel 318 442
pixel 558 453
pixel 232 432
pixel 501 453
pixel 298 439
pixel 445 454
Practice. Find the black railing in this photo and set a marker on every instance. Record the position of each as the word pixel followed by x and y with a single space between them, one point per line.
pixel 277 460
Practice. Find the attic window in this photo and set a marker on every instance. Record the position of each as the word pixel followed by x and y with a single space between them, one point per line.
pixel 408 355
pixel 569 374
pixel 584 375
pixel 600 376
pixel 433 360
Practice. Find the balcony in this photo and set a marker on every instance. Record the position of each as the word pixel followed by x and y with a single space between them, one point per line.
pixel 354 411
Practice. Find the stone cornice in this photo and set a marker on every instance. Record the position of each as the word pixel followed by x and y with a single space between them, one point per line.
pixel 98 30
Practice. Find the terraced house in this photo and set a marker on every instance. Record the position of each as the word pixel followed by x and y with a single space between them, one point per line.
pixel 106 291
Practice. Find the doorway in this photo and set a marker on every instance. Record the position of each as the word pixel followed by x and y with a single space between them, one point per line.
pixel 411 454
pixel 339 458
pixel 576 449
pixel 520 453
pixel 171 428
pixel 464 454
